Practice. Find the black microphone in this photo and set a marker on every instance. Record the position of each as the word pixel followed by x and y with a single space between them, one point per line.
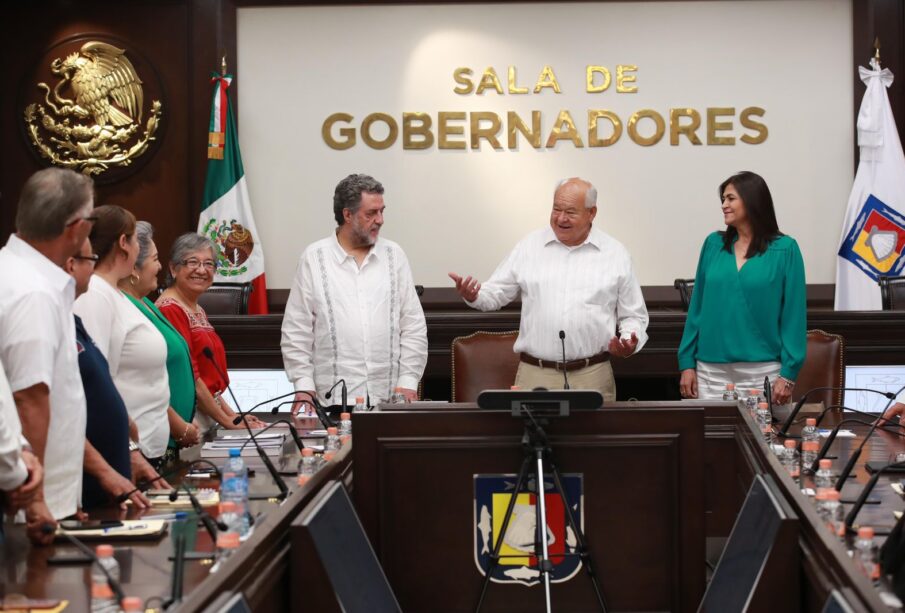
pixel 847 409
pixel 318 409
pixel 565 378
pixel 832 437
pixel 176 575
pixel 144 486
pixel 114 584
pixel 850 465
pixel 801 401
pixel 345 396
pixel 292 429
pixel 768 396
pixel 239 418
pixel 862 498
pixel 210 524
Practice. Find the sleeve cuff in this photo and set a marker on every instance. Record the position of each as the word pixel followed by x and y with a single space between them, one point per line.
pixel 686 363
pixel 15 477
pixel 305 384
pixel 408 382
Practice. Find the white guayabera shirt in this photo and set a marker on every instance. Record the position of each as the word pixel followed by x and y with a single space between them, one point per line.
pixel 362 324
pixel 588 291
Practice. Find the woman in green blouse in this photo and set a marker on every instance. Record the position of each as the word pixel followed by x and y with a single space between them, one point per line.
pixel 748 314
pixel 136 287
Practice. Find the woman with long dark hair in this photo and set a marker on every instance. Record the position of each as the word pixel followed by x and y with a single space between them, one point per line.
pixel 748 313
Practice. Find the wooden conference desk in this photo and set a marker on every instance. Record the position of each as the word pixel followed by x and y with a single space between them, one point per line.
pixel 412 496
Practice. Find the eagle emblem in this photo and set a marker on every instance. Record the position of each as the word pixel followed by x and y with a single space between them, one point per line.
pixel 234 245
pixel 91 119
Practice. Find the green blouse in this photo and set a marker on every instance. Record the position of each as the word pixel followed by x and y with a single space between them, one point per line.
pixel 756 314
pixel 179 363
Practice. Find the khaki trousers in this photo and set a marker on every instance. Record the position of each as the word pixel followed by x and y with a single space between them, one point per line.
pixel 595 377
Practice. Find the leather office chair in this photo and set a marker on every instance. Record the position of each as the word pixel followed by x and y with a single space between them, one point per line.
pixel 824 366
pixel 226 299
pixel 482 361
pixel 685 287
pixel 892 292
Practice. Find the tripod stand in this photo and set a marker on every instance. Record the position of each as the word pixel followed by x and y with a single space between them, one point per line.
pixel 537 451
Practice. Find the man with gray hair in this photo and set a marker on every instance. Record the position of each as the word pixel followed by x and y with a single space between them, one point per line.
pixel 353 312
pixel 37 335
pixel 581 301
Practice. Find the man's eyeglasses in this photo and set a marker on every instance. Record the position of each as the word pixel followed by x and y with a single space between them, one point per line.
pixel 89 258
pixel 91 218
pixel 193 263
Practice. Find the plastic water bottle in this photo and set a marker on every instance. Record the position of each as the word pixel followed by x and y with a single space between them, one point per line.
pixel 765 422
pixel 820 505
pixel 345 428
pixel 307 466
pixel 866 553
pixel 228 540
pixel 835 513
pixel 730 394
pixel 791 460
pixel 360 405
pixel 751 402
pixel 331 443
pixel 234 487
pixel 824 479
pixel 103 598
pixel 810 444
pixel 398 397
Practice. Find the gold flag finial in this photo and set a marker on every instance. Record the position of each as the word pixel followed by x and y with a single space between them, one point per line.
pixel 223 65
pixel 877 49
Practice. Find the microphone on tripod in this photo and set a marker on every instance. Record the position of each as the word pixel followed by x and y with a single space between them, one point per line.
pixel 565 377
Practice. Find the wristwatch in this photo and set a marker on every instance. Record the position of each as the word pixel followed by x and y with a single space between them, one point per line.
pixel 133 446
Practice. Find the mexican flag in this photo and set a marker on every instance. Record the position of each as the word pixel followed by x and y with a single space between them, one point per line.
pixel 226 210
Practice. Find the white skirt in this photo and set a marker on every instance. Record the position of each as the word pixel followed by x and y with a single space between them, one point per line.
pixel 712 378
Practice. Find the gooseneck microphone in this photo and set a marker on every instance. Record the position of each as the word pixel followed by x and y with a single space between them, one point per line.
pixel 865 492
pixel 241 416
pixel 846 409
pixel 292 429
pixel 565 378
pixel 318 409
pixel 210 524
pixel 801 401
pixel 345 392
pixel 850 465
pixel 144 486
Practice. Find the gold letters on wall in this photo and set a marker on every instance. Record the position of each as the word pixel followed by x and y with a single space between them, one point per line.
pixel 599 127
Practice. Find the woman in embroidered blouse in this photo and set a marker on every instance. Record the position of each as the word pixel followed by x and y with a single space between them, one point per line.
pixel 748 313
pixel 136 287
pixel 135 350
pixel 191 273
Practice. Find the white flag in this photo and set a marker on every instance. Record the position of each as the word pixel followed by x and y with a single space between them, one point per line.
pixel 873 233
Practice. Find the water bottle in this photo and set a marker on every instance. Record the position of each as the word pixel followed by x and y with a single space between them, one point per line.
pixel 751 402
pixel 398 397
pixel 824 480
pixel 132 603
pixel 103 598
pixel 234 487
pixel 820 505
pixel 307 466
pixel 345 428
pixel 791 460
pixel 331 443
pixel 730 394
pixel 765 422
pixel 835 513
pixel 810 444
pixel 866 553
pixel 228 540
pixel 360 405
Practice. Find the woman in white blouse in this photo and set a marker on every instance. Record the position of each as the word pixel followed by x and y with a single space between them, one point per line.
pixel 134 348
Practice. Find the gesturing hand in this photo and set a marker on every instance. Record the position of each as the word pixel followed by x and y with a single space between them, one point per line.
pixel 623 347
pixel 468 287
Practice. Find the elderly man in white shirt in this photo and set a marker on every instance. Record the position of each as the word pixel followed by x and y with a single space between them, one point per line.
pixel 353 312
pixel 581 301
pixel 37 336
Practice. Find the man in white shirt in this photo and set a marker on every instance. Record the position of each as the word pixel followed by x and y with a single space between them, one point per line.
pixel 21 474
pixel 37 336
pixel 579 296
pixel 353 312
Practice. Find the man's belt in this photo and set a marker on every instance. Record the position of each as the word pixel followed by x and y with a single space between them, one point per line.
pixel 566 366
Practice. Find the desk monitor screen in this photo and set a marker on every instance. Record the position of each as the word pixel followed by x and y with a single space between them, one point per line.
pixel 880 378
pixel 747 553
pixel 346 553
pixel 253 385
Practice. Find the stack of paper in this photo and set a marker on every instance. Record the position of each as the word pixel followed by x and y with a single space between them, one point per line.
pixel 270 442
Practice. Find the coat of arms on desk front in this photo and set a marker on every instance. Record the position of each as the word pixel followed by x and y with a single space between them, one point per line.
pixel 518 563
pixel 93 117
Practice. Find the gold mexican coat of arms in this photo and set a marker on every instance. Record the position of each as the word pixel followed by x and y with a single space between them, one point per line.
pixel 91 120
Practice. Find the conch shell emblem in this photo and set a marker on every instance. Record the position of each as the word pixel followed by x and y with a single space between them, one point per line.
pixel 98 126
pixel 882 243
